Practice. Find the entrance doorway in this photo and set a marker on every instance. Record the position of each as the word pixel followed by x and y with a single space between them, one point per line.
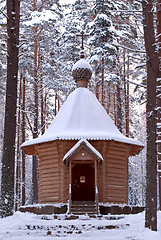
pixel 83 183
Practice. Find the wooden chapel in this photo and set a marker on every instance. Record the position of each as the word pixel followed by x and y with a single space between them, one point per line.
pixel 82 156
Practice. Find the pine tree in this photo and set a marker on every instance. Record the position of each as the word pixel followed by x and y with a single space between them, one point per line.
pixel 38 45
pixel 159 99
pixel 8 157
pixel 103 34
pixel 74 21
pixel 3 66
pixel 103 50
pixel 152 63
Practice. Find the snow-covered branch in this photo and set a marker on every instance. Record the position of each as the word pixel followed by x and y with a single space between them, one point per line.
pixel 5 15
pixel 137 84
pixel 127 48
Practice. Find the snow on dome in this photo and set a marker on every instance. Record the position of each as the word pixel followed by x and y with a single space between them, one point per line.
pixel 82 73
pixel 82 63
pixel 82 116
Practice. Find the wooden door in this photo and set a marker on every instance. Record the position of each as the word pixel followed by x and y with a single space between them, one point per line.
pixel 83 188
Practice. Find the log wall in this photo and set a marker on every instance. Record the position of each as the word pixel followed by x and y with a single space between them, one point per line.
pixel 48 173
pixel 64 147
pixel 54 174
pixel 113 174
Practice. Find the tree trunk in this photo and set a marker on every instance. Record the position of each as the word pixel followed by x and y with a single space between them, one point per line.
pixel 36 114
pixel 103 68
pixel 109 97
pixel 55 104
pixel 23 139
pixel 18 162
pixel 42 107
pixel 159 99
pixel 36 102
pixel 8 155
pixel 152 63
pixel 119 110
pixel 102 83
pixel 115 103
pixel 127 101
pixel 96 84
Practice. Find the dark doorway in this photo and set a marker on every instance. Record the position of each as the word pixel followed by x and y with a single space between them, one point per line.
pixel 83 183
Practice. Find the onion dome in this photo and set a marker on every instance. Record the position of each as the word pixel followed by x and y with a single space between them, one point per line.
pixel 82 72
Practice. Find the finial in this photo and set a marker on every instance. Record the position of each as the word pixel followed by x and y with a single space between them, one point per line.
pixel 82 34
pixel 82 71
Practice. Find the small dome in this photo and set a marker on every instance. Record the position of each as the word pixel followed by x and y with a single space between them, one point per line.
pixel 81 71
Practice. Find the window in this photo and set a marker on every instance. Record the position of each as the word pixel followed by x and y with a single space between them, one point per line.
pixel 82 179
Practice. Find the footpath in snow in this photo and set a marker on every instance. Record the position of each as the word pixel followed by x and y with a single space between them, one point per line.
pixel 28 226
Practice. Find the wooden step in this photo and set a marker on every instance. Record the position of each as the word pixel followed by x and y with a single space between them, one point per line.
pixel 87 203
pixel 84 207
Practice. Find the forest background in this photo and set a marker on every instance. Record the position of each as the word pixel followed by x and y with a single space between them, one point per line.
pixel 49 46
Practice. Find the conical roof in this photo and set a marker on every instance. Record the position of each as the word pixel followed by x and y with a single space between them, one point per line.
pixel 82 117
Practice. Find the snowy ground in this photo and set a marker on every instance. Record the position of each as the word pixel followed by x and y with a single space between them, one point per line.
pixel 22 226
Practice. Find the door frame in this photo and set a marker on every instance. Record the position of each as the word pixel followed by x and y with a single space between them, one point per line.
pixel 91 181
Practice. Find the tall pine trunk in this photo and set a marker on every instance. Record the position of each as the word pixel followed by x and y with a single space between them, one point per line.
pixel 152 63
pixel 23 137
pixel 36 103
pixel 8 155
pixel 18 163
pixel 36 115
pixel 159 99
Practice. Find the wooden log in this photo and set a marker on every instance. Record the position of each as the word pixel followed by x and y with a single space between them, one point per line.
pixel 118 194
pixel 119 183
pixel 51 166
pixel 118 176
pixel 116 187
pixel 48 152
pixel 49 192
pixel 48 160
pixel 116 200
pixel 116 159
pixel 118 149
pixel 115 191
pixel 115 171
pixel 114 143
pixel 119 179
pixel 49 196
pixel 49 179
pixel 48 170
pixel 49 200
pixel 30 150
pixel 49 174
pixel 51 145
pixel 116 162
pixel 52 185
pixel 120 155
pixel 116 165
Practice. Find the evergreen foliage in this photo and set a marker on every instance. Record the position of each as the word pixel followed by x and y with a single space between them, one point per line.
pixel 103 34
pixel 115 29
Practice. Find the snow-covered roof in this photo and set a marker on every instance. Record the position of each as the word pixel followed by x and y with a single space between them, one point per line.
pixel 77 145
pixel 82 116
